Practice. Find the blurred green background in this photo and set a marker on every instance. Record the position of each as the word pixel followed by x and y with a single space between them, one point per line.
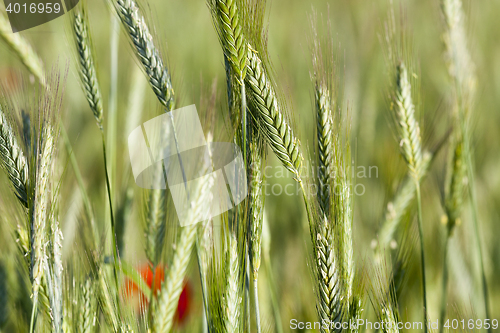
pixel 190 44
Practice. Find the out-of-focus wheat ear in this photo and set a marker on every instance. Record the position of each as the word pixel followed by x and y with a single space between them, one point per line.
pixel 106 300
pixel 328 274
pixel 389 317
pixel 399 205
pixel 341 203
pixel 324 128
pixel 270 117
pixel 39 216
pixel 12 159
pixel 155 220
pixel 22 48
pixel 460 65
pixel 456 186
pixel 172 287
pixel 234 290
pixel 146 51
pixel 54 273
pixel 88 312
pixel 462 70
pixel 406 122
pixel 87 69
pixel 256 204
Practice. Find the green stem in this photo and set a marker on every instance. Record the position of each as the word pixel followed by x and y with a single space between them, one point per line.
pixel 79 180
pixel 244 120
pixel 444 283
pixel 134 275
pixel 33 315
pixel 116 263
pixel 256 304
pixel 422 256
pixel 247 296
pixel 477 232
pixel 272 292
pixel 151 298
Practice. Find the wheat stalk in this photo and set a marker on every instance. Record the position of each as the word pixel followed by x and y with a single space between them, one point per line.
pixel 88 73
pixel 23 50
pixel 12 160
pixel 146 51
pixel 399 205
pixel 462 69
pixel 270 117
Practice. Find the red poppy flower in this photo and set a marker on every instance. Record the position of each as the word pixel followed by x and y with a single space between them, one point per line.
pixel 132 291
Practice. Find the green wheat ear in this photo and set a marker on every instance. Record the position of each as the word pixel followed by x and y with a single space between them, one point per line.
pixel 146 51
pixel 87 70
pixel 407 125
pixel 12 160
pixel 270 117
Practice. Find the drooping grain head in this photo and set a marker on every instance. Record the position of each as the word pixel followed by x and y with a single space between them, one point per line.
pixel 87 68
pixel 13 160
pixel 146 51
pixel 270 117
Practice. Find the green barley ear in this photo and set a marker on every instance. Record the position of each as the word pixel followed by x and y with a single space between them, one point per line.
pixel 146 51
pixel 87 68
pixel 12 159
pixel 23 50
